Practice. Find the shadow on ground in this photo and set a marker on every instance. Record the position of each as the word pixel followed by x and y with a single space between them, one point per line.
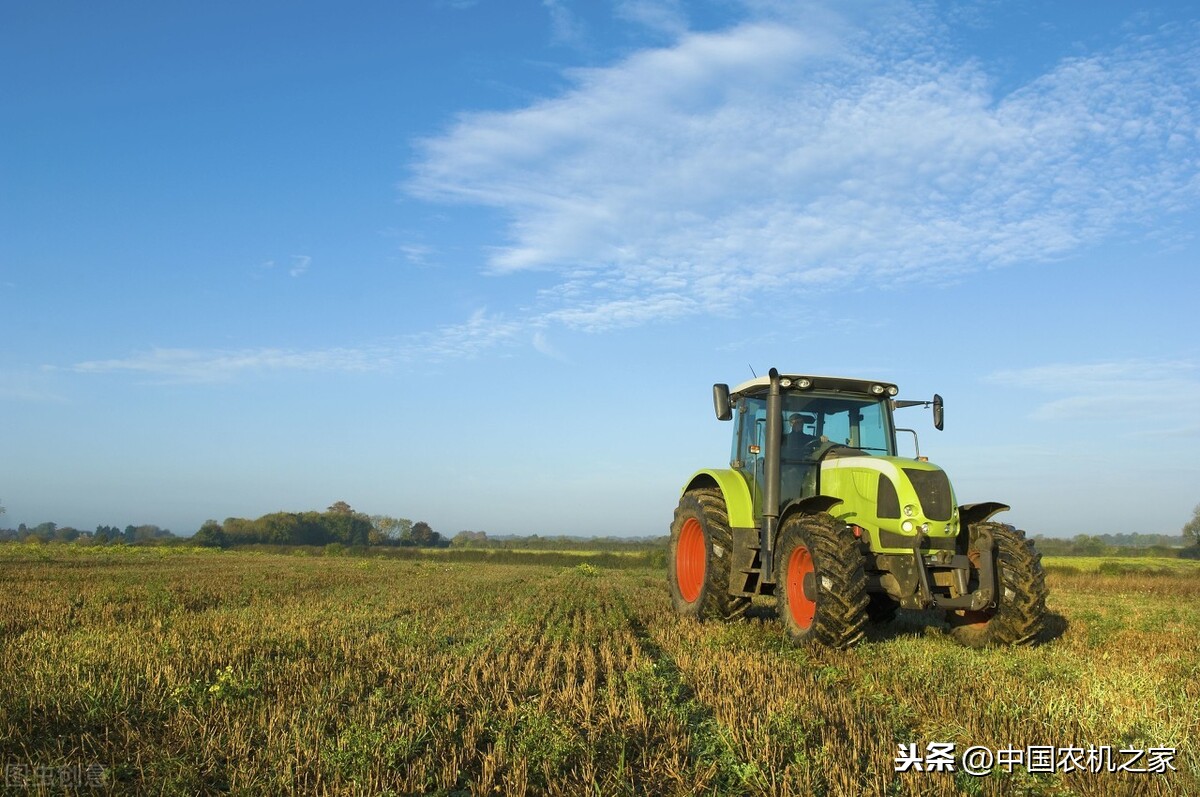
pixel 909 623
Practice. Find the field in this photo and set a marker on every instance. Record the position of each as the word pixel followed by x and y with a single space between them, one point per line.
pixel 192 672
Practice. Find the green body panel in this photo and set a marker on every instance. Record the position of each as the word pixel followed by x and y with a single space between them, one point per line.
pixel 737 494
pixel 855 480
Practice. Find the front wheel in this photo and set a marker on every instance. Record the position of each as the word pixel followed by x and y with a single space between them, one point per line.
pixel 699 558
pixel 821 584
pixel 1020 611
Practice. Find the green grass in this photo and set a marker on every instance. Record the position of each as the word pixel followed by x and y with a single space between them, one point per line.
pixel 1122 565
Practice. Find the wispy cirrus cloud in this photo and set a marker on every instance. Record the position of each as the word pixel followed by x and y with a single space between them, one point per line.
pixel 299 265
pixel 1148 393
pixel 666 16
pixel 480 333
pixel 800 156
pixel 796 153
pixel 216 365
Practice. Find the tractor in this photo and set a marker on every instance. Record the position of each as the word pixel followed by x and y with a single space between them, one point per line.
pixel 818 510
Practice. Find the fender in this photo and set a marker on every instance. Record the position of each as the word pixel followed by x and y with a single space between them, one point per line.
pixel 812 505
pixel 733 488
pixel 969 514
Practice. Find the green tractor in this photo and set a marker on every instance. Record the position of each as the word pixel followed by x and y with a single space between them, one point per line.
pixel 818 510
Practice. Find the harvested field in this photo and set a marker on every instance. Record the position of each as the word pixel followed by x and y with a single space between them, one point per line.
pixel 200 672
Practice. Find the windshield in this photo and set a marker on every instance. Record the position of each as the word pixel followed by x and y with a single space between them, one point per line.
pixel 811 420
pixel 856 422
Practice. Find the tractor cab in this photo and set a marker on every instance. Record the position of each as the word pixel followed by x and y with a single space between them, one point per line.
pixel 827 418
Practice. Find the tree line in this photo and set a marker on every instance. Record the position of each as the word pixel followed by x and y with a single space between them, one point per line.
pixel 1165 545
pixel 52 532
pixel 339 524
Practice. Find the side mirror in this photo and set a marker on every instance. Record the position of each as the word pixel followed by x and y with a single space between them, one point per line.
pixel 939 412
pixel 721 402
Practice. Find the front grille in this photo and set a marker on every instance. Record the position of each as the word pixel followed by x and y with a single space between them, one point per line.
pixel 933 489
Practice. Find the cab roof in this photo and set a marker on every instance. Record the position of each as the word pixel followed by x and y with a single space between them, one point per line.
pixel 840 384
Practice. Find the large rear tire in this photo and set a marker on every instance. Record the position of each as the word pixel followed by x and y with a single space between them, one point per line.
pixel 1020 614
pixel 699 556
pixel 822 587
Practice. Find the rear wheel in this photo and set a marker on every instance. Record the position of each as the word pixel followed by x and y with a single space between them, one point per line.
pixel 1020 613
pixel 821 586
pixel 699 557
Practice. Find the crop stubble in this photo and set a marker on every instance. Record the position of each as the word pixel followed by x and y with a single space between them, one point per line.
pixel 204 672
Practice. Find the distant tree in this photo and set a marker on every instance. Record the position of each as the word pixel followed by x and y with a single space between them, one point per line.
pixel 311 529
pixel 424 535
pixel 1085 545
pixel 66 534
pixel 105 534
pixel 44 531
pixel 2 509
pixel 239 531
pixel 1191 529
pixel 388 530
pixel 347 526
pixel 147 532
pixel 211 535
pixel 470 539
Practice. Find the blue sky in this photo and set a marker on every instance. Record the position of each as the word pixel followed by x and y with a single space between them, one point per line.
pixel 479 263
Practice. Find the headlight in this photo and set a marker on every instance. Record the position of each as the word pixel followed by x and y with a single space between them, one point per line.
pixel 785 383
pixel 893 390
pixel 906 526
pixel 877 390
pixel 910 510
pixel 804 383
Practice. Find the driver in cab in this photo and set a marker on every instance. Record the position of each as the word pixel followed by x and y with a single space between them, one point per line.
pixel 797 442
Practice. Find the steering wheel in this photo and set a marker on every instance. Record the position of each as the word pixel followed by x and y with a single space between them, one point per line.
pixel 817 448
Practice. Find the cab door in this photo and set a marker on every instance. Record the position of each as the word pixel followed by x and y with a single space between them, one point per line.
pixel 748 447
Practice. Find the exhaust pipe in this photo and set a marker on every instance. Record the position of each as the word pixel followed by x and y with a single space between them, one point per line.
pixel 771 453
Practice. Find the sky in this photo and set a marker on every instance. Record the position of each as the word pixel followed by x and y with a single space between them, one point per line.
pixel 479 263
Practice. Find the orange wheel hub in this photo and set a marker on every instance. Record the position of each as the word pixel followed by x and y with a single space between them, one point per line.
pixel 803 608
pixel 689 560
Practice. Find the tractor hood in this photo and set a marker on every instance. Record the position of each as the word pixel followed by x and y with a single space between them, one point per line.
pixel 895 497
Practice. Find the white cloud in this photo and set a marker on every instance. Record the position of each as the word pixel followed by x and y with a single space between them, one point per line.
pixel 477 335
pixel 565 27
pixel 666 16
pixel 1149 394
pixel 416 254
pixel 798 157
pixel 543 345
pixel 792 154
pixel 198 365
pixel 299 265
